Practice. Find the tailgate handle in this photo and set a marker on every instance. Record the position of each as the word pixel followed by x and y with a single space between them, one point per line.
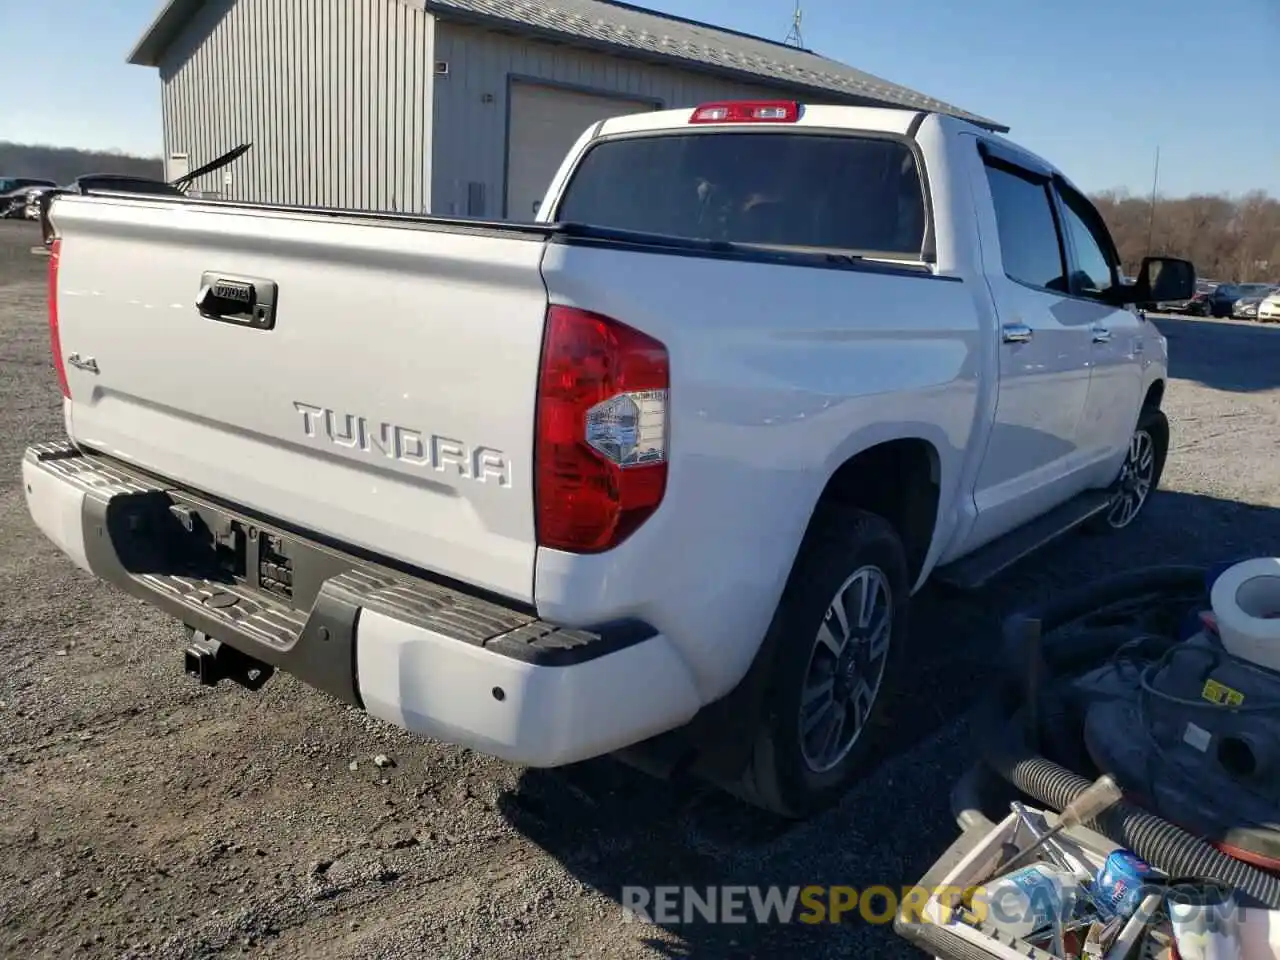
pixel 243 301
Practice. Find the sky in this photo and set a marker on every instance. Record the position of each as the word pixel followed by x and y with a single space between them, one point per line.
pixel 1097 91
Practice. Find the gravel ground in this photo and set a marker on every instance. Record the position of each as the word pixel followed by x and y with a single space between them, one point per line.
pixel 145 816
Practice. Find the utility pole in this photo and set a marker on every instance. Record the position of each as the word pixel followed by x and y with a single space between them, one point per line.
pixel 794 37
pixel 1151 220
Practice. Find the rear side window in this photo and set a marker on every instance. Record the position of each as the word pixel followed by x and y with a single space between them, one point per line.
pixel 1030 245
pixel 849 193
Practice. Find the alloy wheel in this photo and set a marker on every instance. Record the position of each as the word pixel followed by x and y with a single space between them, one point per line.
pixel 1134 484
pixel 846 669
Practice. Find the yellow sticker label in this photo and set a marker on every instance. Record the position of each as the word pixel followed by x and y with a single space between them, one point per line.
pixel 1221 694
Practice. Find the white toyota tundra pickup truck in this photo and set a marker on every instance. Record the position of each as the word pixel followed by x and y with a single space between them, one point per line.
pixel 655 476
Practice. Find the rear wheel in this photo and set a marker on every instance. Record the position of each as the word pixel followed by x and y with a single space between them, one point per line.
pixel 836 646
pixel 1139 474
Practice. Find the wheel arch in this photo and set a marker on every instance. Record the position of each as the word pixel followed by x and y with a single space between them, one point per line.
pixel 900 479
pixel 1155 395
pixel 907 474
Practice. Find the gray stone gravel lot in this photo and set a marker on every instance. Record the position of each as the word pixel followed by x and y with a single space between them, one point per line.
pixel 143 816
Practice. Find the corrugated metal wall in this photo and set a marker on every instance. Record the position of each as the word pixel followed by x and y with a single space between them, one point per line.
pixel 471 102
pixel 334 94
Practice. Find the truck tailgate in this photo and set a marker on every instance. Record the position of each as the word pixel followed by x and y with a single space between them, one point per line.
pixel 388 404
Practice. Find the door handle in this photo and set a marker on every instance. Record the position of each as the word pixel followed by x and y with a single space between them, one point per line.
pixel 1016 333
pixel 1101 334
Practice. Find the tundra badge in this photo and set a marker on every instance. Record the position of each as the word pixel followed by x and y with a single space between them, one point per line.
pixel 412 447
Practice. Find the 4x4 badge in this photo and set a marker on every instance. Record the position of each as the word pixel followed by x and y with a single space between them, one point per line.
pixel 83 363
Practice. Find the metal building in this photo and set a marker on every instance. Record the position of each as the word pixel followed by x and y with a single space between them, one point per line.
pixel 448 106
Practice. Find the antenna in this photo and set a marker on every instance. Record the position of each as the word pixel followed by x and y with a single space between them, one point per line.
pixel 794 39
pixel 1155 186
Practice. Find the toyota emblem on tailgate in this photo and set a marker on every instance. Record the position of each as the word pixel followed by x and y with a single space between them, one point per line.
pixel 230 290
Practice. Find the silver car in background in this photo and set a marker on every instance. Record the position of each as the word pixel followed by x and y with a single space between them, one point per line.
pixel 1250 295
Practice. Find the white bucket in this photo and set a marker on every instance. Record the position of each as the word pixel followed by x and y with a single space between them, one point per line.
pixel 1246 604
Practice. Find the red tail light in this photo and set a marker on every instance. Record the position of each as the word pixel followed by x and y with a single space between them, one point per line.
pixel 601 444
pixel 747 111
pixel 55 341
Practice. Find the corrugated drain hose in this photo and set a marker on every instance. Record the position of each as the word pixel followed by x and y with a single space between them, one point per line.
pixel 1156 840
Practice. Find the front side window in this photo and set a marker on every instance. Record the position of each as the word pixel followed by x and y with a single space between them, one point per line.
pixel 1094 269
pixel 819 191
pixel 1029 242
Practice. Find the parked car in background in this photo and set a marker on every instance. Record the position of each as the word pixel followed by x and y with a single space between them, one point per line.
pixel 34 194
pixel 13 205
pixel 1197 305
pixel 1223 298
pixel 14 192
pixel 1269 308
pixel 1251 295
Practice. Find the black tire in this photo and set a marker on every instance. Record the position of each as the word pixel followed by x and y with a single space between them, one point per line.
pixel 1154 426
pixel 841 544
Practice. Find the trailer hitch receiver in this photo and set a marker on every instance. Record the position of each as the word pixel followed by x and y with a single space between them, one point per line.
pixel 211 661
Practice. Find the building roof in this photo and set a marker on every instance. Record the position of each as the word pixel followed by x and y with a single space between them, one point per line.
pixel 623 28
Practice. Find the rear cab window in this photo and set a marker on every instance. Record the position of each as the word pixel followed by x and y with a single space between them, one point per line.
pixel 852 193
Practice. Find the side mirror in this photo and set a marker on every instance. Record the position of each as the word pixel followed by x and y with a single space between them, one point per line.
pixel 1163 279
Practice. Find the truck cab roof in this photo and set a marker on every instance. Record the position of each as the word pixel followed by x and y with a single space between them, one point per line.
pixel 819 116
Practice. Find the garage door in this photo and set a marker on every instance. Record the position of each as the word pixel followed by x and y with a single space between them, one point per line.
pixel 545 123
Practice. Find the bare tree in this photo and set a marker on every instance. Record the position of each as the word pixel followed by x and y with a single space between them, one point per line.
pixel 63 164
pixel 1230 239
